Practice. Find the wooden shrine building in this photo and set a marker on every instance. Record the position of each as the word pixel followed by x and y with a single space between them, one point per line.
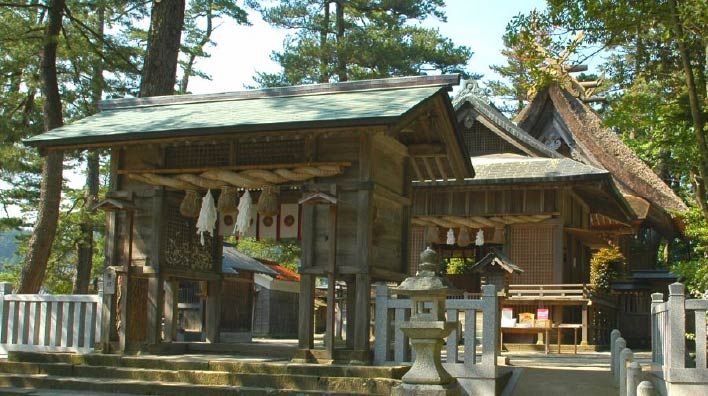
pixel 342 150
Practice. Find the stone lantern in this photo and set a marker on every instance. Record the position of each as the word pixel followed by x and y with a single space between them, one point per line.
pixel 426 329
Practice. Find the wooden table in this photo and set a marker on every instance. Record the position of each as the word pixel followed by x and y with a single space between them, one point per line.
pixel 526 330
pixel 575 328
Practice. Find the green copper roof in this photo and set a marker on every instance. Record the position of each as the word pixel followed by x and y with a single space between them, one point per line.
pixel 207 116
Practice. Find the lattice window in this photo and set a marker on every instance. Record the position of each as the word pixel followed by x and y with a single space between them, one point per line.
pixel 270 152
pixel 481 141
pixel 532 250
pixel 197 155
pixel 181 246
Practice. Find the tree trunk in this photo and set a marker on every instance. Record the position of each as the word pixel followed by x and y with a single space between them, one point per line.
pixel 341 53
pixel 324 55
pixel 160 65
pixel 40 244
pixel 695 106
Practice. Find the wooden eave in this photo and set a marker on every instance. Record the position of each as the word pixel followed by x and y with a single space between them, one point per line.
pixel 434 143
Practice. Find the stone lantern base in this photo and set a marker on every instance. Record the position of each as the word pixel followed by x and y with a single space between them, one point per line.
pixel 451 389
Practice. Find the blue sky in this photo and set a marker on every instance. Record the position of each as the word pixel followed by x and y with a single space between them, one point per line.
pixel 242 50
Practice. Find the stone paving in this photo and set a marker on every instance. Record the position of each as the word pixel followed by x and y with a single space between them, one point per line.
pixel 584 374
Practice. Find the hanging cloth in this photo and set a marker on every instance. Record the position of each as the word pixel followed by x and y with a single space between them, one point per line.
pixel 243 221
pixel 479 240
pixel 450 236
pixel 207 217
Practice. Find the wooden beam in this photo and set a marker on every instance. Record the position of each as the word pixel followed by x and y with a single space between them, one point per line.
pixel 291 165
pixel 416 169
pixel 426 150
pixel 462 221
pixel 441 168
pixel 429 169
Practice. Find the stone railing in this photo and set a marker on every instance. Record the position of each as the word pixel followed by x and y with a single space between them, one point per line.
pixel 672 370
pixel 48 323
pixel 471 370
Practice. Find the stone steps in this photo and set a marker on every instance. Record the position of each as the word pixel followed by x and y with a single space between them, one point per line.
pixel 175 376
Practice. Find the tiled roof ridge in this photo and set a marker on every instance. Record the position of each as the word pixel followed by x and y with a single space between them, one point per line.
pixel 296 90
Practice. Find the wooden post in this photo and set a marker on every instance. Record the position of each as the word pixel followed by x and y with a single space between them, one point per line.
pixel 677 325
pixel 306 309
pixel 331 280
pixel 584 334
pixel 155 306
pixel 171 300
pixel 363 300
pixel 351 311
pixel 213 311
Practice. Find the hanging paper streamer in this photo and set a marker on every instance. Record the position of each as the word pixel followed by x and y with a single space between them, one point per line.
pixel 207 217
pixel 463 239
pixel 450 236
pixel 190 204
pixel 479 240
pixel 243 221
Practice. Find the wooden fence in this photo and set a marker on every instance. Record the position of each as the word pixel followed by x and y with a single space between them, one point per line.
pixel 48 323
pixel 391 345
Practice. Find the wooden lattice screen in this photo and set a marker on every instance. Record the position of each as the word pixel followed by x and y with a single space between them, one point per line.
pixel 197 155
pixel 226 153
pixel 531 247
pixel 481 141
pixel 181 246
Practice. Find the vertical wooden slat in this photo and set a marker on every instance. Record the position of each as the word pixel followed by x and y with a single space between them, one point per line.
pixel 700 338
pixel 43 323
pixel 453 337
pixel 64 324
pixel 21 317
pixel 11 307
pixel 54 325
pixel 31 322
pixel 470 337
pixel 76 324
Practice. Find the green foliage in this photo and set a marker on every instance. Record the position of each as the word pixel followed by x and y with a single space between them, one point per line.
pixel 458 266
pixel 372 39
pixel 286 253
pixel 690 261
pixel 606 265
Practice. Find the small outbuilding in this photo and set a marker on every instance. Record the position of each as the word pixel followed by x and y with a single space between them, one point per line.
pixel 275 312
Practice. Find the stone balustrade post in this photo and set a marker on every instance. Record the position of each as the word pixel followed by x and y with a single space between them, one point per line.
pixel 620 344
pixel 656 345
pixel 646 388
pixel 626 356
pixel 5 288
pixel 381 324
pixel 633 373
pixel 614 335
pixel 677 326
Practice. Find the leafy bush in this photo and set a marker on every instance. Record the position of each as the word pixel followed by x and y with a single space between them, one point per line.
pixel 606 265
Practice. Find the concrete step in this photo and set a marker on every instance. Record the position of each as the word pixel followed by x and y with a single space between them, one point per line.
pixel 211 364
pixel 295 382
pixel 135 387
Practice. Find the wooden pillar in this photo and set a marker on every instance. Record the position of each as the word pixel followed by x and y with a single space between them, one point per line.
pixel 331 280
pixel 171 299
pixel 362 308
pixel 213 311
pixel 351 312
pixel 155 304
pixel 584 334
pixel 306 307
pixel 558 251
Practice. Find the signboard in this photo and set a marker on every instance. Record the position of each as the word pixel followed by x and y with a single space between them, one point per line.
pixel 542 314
pixel 109 282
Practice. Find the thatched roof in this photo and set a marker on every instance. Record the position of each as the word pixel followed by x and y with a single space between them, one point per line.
pixel 595 145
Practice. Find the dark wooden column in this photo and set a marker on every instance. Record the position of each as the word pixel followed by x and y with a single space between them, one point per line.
pixel 171 299
pixel 213 310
